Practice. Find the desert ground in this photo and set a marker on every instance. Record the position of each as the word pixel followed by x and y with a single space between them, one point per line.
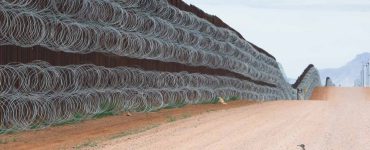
pixel 335 119
pixel 340 120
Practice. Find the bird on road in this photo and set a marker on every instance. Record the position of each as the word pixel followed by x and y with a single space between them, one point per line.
pixel 302 146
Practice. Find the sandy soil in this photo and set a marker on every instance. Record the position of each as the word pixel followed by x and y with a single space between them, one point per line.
pixel 320 93
pixel 337 119
pixel 340 121
pixel 91 132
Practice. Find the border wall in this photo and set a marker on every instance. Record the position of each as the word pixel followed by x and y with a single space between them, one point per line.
pixel 62 59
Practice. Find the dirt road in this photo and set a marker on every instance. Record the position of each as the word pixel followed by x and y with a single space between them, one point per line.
pixel 90 133
pixel 340 122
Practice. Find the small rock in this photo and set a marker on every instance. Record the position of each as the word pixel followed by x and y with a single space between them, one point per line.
pixel 128 114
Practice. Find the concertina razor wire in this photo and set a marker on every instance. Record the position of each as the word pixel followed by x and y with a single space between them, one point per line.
pixel 40 94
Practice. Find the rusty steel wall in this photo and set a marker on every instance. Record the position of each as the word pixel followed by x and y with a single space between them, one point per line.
pixel 10 54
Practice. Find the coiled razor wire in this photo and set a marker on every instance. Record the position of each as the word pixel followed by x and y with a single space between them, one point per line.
pixel 38 94
pixel 309 82
pixel 329 82
pixel 144 29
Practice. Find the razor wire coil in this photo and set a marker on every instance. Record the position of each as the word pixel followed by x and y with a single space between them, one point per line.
pixel 40 94
pixel 55 28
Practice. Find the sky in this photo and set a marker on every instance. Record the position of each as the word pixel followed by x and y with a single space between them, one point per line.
pixel 326 33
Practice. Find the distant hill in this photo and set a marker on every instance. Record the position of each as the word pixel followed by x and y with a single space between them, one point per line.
pixel 346 75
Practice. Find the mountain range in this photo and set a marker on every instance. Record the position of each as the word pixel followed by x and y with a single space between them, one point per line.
pixel 347 74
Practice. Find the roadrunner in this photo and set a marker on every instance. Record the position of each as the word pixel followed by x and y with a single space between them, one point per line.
pixel 302 146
